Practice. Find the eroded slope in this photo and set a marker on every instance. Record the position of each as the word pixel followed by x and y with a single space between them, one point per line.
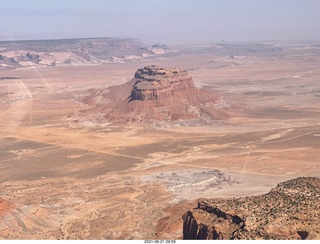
pixel 289 211
pixel 157 96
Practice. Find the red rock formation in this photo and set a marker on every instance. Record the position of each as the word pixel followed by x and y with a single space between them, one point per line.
pixel 153 83
pixel 209 223
pixel 289 211
pixel 157 96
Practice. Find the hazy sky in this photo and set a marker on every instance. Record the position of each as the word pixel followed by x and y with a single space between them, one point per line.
pixel 165 21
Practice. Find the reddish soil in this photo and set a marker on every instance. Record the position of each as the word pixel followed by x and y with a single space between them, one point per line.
pixel 5 207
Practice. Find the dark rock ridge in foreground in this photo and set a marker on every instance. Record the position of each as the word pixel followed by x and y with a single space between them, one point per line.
pixel 289 211
pixel 156 96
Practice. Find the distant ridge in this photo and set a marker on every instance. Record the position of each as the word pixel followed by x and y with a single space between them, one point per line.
pixel 74 51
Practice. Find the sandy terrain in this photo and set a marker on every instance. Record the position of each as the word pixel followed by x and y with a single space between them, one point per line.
pixel 67 182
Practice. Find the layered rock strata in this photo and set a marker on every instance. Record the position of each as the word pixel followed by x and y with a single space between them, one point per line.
pixel 156 96
pixel 199 224
pixel 83 51
pixel 289 211
pixel 153 83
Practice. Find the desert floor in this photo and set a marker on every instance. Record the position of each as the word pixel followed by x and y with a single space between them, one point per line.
pixel 58 181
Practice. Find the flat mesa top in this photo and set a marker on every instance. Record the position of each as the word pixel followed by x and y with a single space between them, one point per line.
pixel 153 77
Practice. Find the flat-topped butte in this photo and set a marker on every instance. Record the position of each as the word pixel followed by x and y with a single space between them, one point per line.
pixel 153 82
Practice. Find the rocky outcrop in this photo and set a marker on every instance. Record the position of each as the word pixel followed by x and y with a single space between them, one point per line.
pixel 289 211
pixel 153 82
pixel 157 96
pixel 210 223
pixel 30 57
pixel 14 54
pixel 8 62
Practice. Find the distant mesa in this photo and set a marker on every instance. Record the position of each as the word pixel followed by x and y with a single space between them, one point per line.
pixel 83 51
pixel 156 96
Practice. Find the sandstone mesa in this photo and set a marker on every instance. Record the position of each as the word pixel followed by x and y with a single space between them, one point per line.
pixel 156 96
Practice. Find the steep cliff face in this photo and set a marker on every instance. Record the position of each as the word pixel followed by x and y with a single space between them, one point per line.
pixel 289 211
pixel 209 223
pixel 153 83
pixel 156 96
